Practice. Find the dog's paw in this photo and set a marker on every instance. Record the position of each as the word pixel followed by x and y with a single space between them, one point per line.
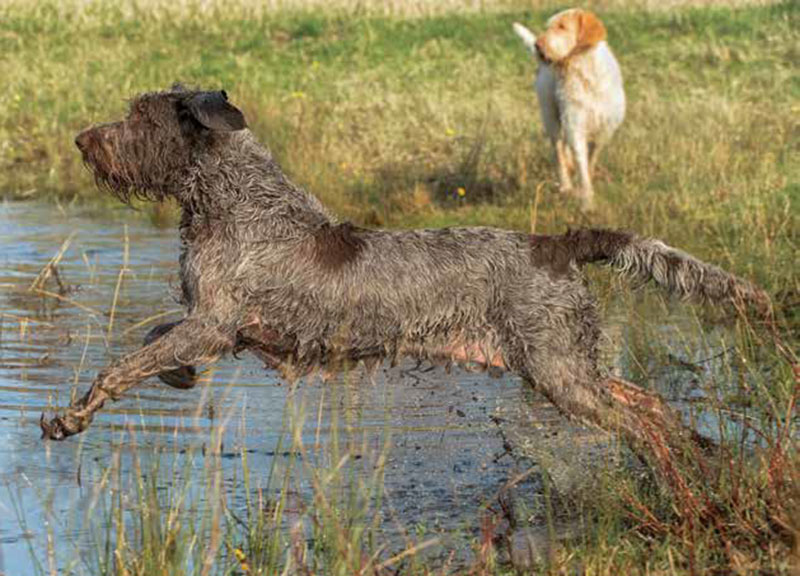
pixel 587 204
pixel 60 427
pixel 182 378
pixel 602 174
pixel 566 189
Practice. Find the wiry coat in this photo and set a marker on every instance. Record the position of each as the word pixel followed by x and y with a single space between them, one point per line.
pixel 265 268
pixel 580 92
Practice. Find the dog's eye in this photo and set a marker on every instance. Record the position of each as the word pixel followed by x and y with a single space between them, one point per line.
pixel 138 111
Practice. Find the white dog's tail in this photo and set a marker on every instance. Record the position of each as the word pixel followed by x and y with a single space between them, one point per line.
pixel 528 38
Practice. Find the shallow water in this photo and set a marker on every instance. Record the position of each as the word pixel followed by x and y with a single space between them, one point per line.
pixel 456 439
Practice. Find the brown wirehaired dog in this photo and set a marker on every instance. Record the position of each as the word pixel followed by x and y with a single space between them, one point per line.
pixel 265 268
pixel 581 98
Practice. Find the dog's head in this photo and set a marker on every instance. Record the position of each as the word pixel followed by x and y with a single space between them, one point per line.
pixel 146 154
pixel 569 33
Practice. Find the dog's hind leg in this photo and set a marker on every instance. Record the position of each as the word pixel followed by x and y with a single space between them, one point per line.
pixel 566 374
pixel 191 342
pixel 594 152
pixel 182 378
pixel 568 379
pixel 552 344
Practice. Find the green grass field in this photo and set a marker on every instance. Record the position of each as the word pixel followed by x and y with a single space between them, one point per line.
pixel 385 118
pixel 428 118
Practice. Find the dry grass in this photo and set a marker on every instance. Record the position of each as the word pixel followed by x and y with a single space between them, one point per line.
pixel 386 120
pixel 394 8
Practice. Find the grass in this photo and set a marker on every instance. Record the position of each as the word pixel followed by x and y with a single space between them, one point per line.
pixel 386 113
pixel 159 508
pixel 386 118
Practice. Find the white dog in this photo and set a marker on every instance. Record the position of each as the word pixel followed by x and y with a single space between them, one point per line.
pixel 580 91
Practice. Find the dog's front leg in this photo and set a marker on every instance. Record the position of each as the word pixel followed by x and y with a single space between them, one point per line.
pixel 580 150
pixel 182 378
pixel 564 166
pixel 191 342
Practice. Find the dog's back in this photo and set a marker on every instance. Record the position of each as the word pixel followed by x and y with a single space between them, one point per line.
pixel 588 91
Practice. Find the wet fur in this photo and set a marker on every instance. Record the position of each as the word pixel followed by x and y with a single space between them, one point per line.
pixel 266 269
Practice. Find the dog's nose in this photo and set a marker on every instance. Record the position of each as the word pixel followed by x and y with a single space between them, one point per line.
pixel 540 48
pixel 82 140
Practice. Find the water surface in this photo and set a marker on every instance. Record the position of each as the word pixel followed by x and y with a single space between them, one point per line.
pixel 455 440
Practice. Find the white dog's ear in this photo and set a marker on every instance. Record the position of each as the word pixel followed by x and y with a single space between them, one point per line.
pixel 528 38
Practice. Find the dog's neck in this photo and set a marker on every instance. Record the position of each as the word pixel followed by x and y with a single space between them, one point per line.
pixel 591 70
pixel 582 58
pixel 239 181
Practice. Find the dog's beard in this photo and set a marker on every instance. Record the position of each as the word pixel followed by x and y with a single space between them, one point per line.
pixel 126 191
pixel 124 185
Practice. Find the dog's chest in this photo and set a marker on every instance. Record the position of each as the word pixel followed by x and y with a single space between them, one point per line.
pixel 589 96
pixel 206 263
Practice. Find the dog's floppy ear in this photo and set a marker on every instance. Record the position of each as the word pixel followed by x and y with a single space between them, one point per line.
pixel 590 30
pixel 213 111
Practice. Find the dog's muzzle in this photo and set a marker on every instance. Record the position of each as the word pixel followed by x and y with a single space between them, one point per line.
pixel 82 140
pixel 540 54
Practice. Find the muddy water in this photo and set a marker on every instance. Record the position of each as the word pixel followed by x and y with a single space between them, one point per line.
pixel 455 439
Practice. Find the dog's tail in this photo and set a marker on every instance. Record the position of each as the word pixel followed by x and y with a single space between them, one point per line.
pixel 642 259
pixel 528 38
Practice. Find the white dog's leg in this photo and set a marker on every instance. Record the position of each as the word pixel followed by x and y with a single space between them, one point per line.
pixel 580 149
pixel 563 165
pixel 594 153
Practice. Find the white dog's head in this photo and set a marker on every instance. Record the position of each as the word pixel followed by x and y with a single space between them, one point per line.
pixel 569 33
